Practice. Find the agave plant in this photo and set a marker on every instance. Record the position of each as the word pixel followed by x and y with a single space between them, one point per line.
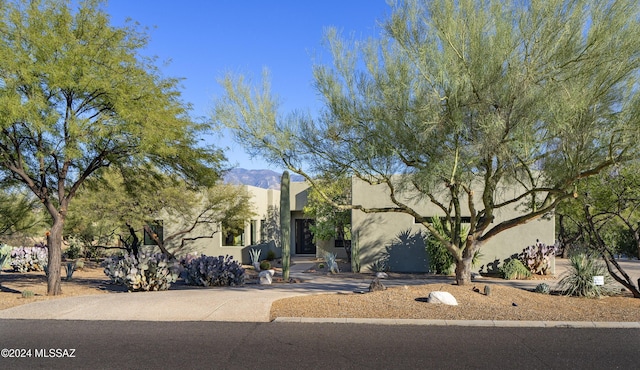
pixel 255 255
pixel 330 259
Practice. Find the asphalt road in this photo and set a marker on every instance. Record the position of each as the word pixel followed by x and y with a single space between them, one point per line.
pixel 224 345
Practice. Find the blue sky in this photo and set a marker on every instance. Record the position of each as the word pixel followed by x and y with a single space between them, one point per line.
pixel 204 39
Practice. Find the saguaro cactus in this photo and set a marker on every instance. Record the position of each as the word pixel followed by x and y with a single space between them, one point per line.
pixel 285 224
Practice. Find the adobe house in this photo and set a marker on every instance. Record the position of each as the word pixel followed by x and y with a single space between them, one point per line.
pixel 257 230
pixel 395 236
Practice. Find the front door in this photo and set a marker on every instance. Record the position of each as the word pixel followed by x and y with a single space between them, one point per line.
pixel 304 237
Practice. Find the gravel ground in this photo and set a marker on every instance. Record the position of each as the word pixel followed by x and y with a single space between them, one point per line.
pixel 503 303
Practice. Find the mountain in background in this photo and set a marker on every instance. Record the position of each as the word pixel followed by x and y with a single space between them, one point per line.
pixel 266 179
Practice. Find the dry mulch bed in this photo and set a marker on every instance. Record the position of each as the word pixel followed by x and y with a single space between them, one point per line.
pixel 503 303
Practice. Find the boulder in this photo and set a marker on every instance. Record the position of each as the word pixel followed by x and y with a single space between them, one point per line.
pixel 442 297
pixel 266 277
pixel 376 286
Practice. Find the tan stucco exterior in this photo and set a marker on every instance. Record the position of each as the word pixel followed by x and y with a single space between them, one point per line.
pixel 377 231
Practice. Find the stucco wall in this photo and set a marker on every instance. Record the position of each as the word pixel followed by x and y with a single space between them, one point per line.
pixel 398 235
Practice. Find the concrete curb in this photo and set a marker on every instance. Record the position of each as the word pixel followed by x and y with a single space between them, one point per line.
pixel 468 323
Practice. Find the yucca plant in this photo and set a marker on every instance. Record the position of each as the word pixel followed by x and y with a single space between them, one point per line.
pixel 578 280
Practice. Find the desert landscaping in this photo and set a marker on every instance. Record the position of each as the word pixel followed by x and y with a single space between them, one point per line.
pixel 402 302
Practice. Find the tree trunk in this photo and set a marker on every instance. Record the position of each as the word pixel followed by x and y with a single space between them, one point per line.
pixel 54 243
pixel 463 271
pixel 285 224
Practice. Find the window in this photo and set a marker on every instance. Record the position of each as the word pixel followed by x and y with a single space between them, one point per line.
pixel 158 228
pixel 234 238
pixel 233 233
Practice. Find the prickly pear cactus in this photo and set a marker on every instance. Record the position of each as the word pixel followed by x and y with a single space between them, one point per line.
pixel 285 225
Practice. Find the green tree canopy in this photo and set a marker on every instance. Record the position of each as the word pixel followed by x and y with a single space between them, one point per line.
pixel 605 214
pixel 18 213
pixel 461 98
pixel 331 222
pixel 77 96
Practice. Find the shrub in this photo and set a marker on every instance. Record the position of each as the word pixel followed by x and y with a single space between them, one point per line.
pixel 24 259
pixel 578 280
pixel 543 288
pixel 537 257
pixel 143 273
pixel 271 255
pixel 75 249
pixel 514 269
pixel 265 265
pixel 440 259
pixel 28 294
pixel 214 271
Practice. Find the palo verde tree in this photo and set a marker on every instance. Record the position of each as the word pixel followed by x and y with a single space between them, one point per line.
pixel 285 224
pixel 76 96
pixel 17 213
pixel 606 210
pixel 331 222
pixel 459 99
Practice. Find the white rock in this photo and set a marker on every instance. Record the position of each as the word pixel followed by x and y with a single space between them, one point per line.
pixel 442 297
pixel 266 277
pixel 381 275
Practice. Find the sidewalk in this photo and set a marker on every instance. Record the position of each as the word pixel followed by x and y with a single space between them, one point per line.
pixel 249 303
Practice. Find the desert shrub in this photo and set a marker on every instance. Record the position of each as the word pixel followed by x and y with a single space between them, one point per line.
pixel 75 249
pixel 514 269
pixel 543 288
pixel 440 259
pixel 214 271
pixel 578 280
pixel 271 255
pixel 143 273
pixel 537 257
pixel 265 265
pixel 24 259
pixel 28 294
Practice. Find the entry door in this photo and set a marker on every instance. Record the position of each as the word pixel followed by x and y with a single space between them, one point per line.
pixel 304 237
